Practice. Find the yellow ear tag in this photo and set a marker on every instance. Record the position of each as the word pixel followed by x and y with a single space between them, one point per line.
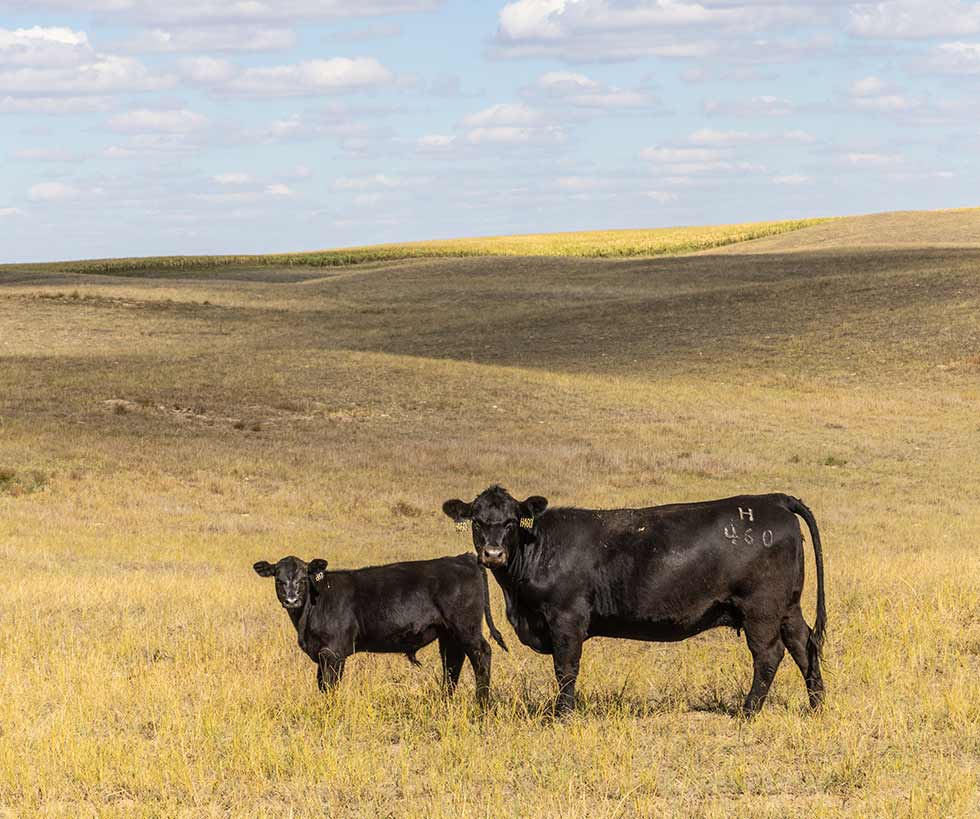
pixel 318 577
pixel 527 523
pixel 461 525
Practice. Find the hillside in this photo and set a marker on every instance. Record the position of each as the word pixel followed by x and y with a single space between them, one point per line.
pixel 161 428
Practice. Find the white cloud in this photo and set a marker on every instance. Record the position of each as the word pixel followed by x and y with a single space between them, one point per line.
pixel 663 197
pixel 105 74
pixel 872 159
pixel 791 179
pixel 867 87
pixel 435 142
pixel 594 30
pixel 222 11
pixel 51 192
pixel 180 121
pixel 675 155
pixel 207 70
pixel 279 189
pixel 311 77
pixel 378 180
pixel 915 19
pixel 515 135
pixel 570 87
pixel 956 58
pixel 54 105
pixel 874 94
pixel 761 106
pixel 504 114
pixel 710 136
pixel 233 178
pixel 8 212
pixel 211 39
pixel 46 155
pixel 54 47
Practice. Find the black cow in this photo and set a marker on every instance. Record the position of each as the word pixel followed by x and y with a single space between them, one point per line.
pixel 662 573
pixel 397 608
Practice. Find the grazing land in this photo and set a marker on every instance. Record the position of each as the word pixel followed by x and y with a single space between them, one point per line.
pixel 164 426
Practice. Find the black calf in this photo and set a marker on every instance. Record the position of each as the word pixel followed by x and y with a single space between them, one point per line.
pixel 397 608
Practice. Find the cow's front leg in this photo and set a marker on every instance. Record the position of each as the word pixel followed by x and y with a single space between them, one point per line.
pixel 568 632
pixel 329 668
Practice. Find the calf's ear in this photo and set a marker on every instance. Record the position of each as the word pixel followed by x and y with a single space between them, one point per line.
pixel 534 506
pixel 458 510
pixel 316 569
pixel 264 569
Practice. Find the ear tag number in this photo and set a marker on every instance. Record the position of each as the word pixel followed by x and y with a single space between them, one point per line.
pixel 461 526
pixel 527 523
pixel 318 577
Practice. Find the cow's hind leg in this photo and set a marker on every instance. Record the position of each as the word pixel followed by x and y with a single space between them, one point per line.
pixel 762 635
pixel 796 637
pixel 479 655
pixel 452 655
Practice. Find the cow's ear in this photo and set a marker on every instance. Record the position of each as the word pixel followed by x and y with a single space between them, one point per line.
pixel 264 569
pixel 458 510
pixel 317 568
pixel 533 506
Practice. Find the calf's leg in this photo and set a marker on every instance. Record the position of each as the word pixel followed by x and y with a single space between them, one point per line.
pixel 796 637
pixel 452 655
pixel 330 669
pixel 479 655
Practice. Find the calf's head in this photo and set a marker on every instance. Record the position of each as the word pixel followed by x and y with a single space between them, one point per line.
pixel 293 578
pixel 496 519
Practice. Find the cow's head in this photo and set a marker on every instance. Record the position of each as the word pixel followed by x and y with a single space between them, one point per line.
pixel 496 519
pixel 293 578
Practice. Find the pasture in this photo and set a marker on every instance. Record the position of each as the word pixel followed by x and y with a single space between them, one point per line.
pixel 165 425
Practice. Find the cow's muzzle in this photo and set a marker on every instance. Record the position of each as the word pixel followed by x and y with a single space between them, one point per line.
pixel 493 557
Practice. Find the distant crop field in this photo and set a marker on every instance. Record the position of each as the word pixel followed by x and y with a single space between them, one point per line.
pixel 159 433
pixel 590 244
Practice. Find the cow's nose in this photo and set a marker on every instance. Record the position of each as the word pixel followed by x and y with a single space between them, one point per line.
pixel 493 552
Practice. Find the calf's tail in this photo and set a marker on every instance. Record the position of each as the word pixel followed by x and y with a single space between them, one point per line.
pixel 815 643
pixel 497 636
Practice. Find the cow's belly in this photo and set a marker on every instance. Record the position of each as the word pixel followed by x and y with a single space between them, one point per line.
pixel 666 629
pixel 400 642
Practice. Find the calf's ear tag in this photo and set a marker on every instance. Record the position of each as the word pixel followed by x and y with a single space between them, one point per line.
pixel 527 523
pixel 318 576
pixel 462 525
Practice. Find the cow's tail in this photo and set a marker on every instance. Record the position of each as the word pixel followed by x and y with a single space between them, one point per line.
pixel 815 643
pixel 486 612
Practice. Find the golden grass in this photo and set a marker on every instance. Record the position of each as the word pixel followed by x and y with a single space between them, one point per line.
pixel 146 671
pixel 589 244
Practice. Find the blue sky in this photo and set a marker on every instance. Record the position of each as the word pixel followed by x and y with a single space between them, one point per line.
pixel 141 127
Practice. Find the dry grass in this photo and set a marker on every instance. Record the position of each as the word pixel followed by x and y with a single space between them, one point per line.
pixel 190 427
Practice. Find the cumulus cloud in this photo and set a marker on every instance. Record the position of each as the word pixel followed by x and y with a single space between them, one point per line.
pixel 710 136
pixel 504 114
pixel 40 65
pixel 791 179
pixel 232 178
pixel 222 38
pixel 188 11
pixel 312 77
pixel 8 212
pixel 50 47
pixel 593 30
pixel 874 94
pixel 568 87
pixel 915 19
pixel 957 58
pixel 51 192
pixel 180 121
